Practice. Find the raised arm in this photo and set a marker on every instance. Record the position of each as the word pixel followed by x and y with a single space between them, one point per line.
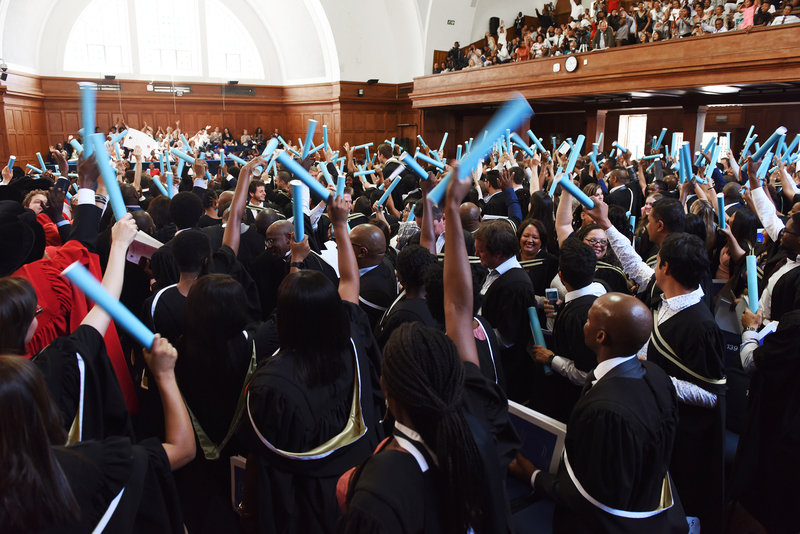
pixel 122 235
pixel 427 238
pixel 179 442
pixel 137 172
pixel 233 230
pixel 458 276
pixel 534 163
pixel 349 279
pixel 789 187
pixel 564 217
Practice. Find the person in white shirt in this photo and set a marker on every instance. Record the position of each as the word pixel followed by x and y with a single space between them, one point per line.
pixel 576 10
pixel 786 17
pixel 719 27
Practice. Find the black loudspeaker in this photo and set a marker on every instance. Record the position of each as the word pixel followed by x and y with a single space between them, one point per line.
pixel 494 23
pixel 404 142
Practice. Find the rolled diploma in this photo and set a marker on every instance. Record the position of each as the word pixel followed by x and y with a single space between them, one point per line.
pixel 511 116
pixel 439 165
pixel 721 204
pixel 395 180
pixel 312 127
pixel 752 283
pixel 414 166
pixel 660 139
pixel 185 157
pixel 576 192
pixel 88 109
pixel 92 288
pixel 109 175
pixel 301 174
pixel 297 210
pixel 536 142
pixel 536 330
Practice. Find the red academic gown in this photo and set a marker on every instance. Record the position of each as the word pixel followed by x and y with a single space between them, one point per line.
pixel 64 307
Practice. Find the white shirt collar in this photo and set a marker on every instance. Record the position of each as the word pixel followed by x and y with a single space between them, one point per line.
pixel 595 288
pixel 607 365
pixel 365 270
pixel 507 265
pixel 487 197
pixel 681 302
pixel 617 188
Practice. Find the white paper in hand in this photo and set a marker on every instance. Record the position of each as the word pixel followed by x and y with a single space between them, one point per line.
pixel 143 246
pixel 135 137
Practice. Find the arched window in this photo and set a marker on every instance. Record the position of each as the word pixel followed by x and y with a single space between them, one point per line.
pixel 100 41
pixel 231 51
pixel 167 31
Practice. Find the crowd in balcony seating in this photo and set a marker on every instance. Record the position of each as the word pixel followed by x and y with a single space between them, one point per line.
pixel 608 23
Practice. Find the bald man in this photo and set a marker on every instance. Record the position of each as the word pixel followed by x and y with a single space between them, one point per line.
pixel 378 281
pixel 470 216
pixel 619 438
pixel 625 192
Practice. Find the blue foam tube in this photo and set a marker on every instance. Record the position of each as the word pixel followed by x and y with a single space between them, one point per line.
pixel 420 140
pixel 575 191
pixel 116 151
pixel 340 186
pixel 300 142
pixel 439 165
pixel 619 147
pixel 632 219
pixel 652 156
pixel 366 154
pixel 170 181
pixel 674 144
pixel 109 175
pixel 444 140
pixel 660 139
pixel 161 162
pixel 388 191
pixel 160 186
pixel 721 205
pixel 237 159
pixel 520 143
pixel 181 164
pixel 363 173
pixel 573 155
pixel 297 210
pixel 182 155
pixel 748 142
pixel 209 177
pixel 312 127
pixel 411 216
pixel 769 143
pixel 88 109
pixel 186 145
pixel 536 142
pixel 536 330
pixel 414 166
pixel 713 163
pixel 11 162
pixel 76 145
pixel 762 171
pixel 364 146
pixel 119 136
pixel 611 154
pixel 458 152
pixel 556 181
pixel 511 115
pixel 41 161
pixel 600 139
pixel 750 133
pixel 222 158
pixel 686 162
pixel 790 148
pixel 779 146
pixel 31 167
pixel 324 168
pixel 752 283
pixel 437 193
pixel 301 174
pixel 122 316
pixel 325 136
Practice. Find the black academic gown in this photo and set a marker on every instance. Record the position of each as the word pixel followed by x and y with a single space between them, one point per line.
pixel 403 310
pixel 299 494
pixel 505 306
pixel 767 470
pixel 542 269
pixel 630 198
pixel 555 395
pixel 618 443
pixel 698 454
pixel 378 291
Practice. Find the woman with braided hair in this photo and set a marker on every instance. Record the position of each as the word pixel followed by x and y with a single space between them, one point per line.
pixel 439 471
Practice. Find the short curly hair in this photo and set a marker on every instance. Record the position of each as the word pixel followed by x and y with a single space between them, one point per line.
pixel 413 263
pixel 29 197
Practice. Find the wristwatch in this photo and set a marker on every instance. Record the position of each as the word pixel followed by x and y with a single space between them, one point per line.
pixel 550 359
pixel 750 329
pixel 298 264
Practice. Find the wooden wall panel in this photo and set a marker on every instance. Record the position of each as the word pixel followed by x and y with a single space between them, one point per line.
pixel 25 130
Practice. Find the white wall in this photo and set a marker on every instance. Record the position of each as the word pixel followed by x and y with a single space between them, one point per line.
pixel 300 41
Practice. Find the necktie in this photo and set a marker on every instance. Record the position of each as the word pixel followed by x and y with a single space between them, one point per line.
pixel 588 384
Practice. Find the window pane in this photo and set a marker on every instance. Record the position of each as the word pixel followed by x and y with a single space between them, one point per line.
pixel 99 41
pixel 170 43
pixel 235 55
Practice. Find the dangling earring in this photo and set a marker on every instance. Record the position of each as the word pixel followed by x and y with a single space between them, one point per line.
pixel 385 413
